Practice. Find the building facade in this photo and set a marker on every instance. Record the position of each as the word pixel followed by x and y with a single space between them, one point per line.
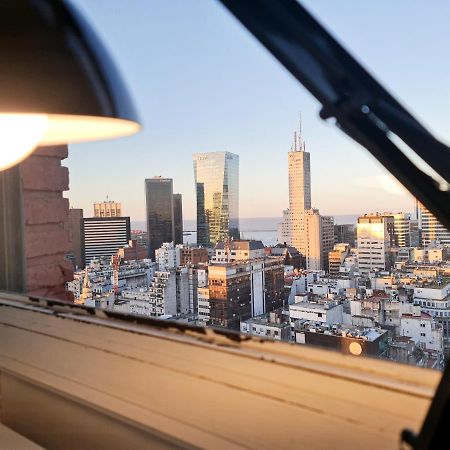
pixel 193 256
pixel 108 209
pixel 273 326
pixel 374 240
pixel 104 236
pixel 178 218
pixel 241 290
pixel 167 257
pixel 299 173
pixel 160 213
pixel 431 229
pixel 327 239
pixel 345 233
pixel 217 189
pixel 336 257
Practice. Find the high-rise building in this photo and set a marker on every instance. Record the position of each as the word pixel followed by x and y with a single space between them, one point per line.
pixel 374 240
pixel 104 236
pixel 108 209
pixel 345 234
pixel 76 237
pixel 302 226
pixel 327 239
pixel 240 290
pixel 299 190
pixel 431 229
pixel 178 218
pixel 284 229
pixel 406 232
pixel 217 189
pixel 160 213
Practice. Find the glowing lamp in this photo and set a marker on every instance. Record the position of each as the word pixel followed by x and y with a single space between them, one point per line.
pixel 57 82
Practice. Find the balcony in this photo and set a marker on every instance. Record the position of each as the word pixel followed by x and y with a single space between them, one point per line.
pixel 123 384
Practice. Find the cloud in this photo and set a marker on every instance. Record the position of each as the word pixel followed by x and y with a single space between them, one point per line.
pixel 384 182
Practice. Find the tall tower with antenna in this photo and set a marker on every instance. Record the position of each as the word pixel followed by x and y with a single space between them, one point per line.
pixel 299 167
pixel 292 229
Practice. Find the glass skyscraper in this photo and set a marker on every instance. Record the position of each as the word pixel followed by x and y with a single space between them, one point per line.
pixel 160 217
pixel 178 218
pixel 217 188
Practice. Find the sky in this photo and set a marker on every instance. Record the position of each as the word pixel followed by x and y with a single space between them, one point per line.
pixel 201 82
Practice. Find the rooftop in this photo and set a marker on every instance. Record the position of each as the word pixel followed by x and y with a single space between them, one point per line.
pixel 338 330
pixel 264 319
pixel 241 245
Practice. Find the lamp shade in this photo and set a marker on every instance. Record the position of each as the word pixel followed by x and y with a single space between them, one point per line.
pixel 57 82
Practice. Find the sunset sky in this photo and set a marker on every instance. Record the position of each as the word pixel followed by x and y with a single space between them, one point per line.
pixel 202 83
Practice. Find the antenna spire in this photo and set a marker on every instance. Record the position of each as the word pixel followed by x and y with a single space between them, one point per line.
pixel 301 142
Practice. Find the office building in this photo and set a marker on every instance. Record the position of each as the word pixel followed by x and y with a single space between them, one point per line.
pixel 406 231
pixel 75 226
pixel 299 169
pixel 160 213
pixel 375 238
pixel 345 233
pixel 317 234
pixel 302 227
pixel 431 229
pixel 327 239
pixel 217 189
pixel 241 290
pixel 178 218
pixel 104 236
pixel 284 229
pixel 108 209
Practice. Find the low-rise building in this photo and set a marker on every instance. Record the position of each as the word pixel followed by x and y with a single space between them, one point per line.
pixel 336 257
pixel 238 250
pixel 273 325
pixel 422 329
pixel 345 339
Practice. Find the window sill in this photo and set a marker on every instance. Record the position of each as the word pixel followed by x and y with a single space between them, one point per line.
pixel 176 385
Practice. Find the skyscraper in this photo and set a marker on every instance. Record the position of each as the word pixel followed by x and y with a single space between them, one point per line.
pixel 108 209
pixel 178 218
pixel 303 227
pixel 291 230
pixel 432 229
pixel 160 213
pixel 103 236
pixel 217 188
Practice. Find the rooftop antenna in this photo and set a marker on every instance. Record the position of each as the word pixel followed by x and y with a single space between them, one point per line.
pixel 301 142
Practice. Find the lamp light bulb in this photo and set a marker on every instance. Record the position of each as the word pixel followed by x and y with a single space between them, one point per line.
pixel 19 136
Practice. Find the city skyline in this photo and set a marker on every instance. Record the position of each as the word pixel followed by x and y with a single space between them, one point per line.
pixel 204 107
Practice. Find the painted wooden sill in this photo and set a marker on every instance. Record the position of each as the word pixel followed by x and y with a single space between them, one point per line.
pixel 207 389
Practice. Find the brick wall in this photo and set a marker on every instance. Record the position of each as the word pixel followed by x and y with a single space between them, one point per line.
pixel 45 213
